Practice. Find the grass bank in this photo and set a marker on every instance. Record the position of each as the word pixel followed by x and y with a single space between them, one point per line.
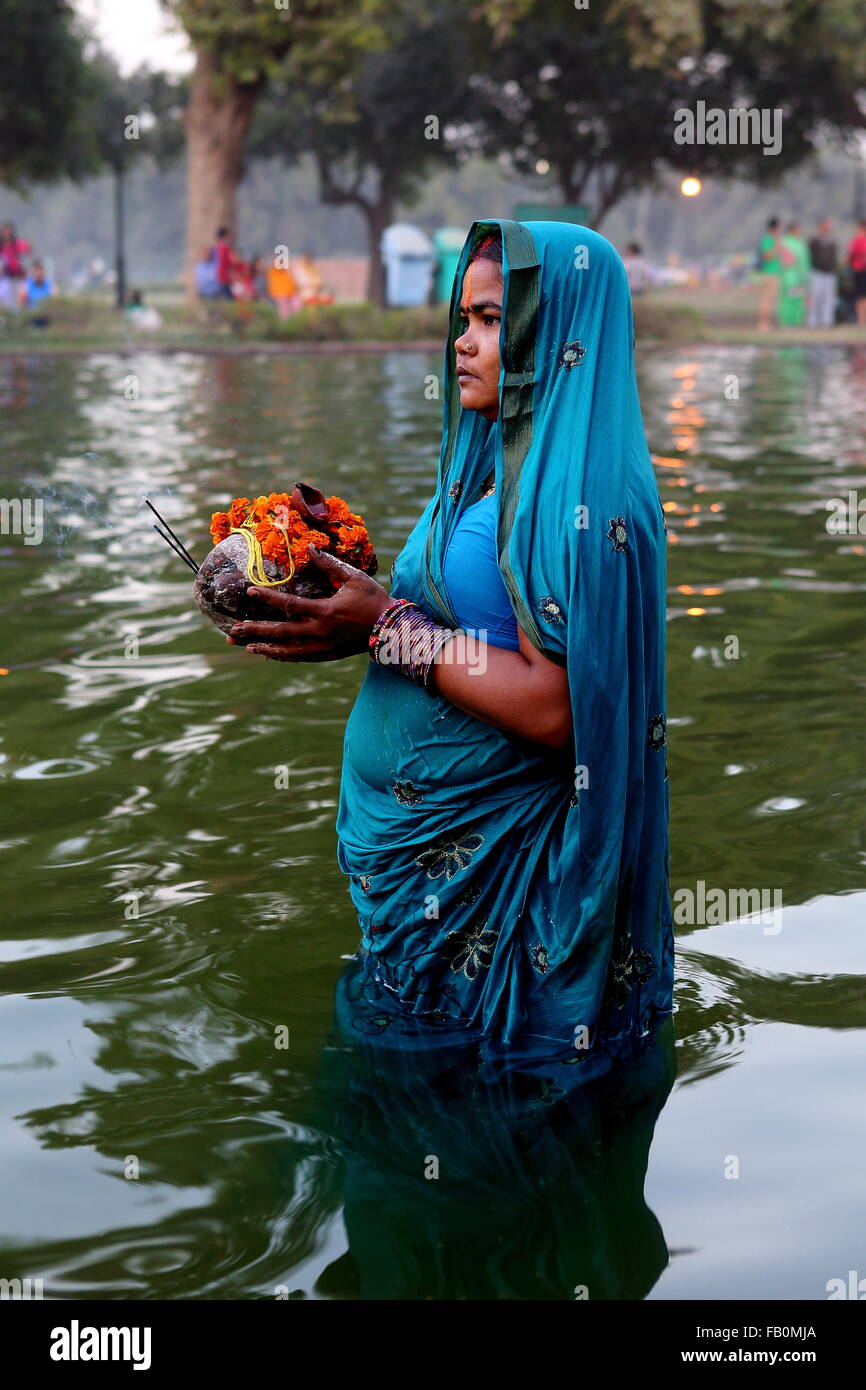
pixel 89 324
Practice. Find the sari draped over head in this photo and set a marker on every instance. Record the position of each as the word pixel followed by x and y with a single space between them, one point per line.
pixel 507 891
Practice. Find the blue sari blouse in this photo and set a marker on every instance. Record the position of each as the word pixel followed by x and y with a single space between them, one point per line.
pixel 472 577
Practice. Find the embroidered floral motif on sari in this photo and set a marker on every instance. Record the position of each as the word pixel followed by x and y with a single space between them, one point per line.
pixel 407 793
pixel 550 610
pixel 617 533
pixel 471 950
pixel 627 969
pixel 657 732
pixel 572 354
pixel 538 956
pixel 449 856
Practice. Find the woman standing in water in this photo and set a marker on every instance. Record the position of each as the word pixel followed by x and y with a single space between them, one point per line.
pixel 504 800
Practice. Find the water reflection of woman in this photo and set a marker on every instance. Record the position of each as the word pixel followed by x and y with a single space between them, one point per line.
pixel 466 1180
pixel 504 800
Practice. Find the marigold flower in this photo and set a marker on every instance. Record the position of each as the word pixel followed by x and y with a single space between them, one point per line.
pixel 349 537
pixel 237 512
pixel 285 535
pixel 274 548
pixel 220 525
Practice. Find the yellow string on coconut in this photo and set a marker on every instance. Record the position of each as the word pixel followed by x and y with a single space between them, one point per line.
pixel 255 571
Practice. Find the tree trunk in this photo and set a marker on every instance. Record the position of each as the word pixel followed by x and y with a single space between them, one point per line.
pixel 216 121
pixel 378 216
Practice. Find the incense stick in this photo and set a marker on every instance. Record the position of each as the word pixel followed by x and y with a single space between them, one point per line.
pixel 177 539
pixel 187 559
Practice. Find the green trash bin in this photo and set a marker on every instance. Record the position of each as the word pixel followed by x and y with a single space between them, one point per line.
pixel 448 243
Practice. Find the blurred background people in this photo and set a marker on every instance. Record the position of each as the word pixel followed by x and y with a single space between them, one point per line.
pixel 822 277
pixel 258 278
pixel 206 280
pixel 769 269
pixel 37 289
pixel 637 268
pixel 282 288
pixel 12 250
pixel 794 278
pixel 857 262
pixel 242 281
pixel 226 263
pixel 141 315
pixel 309 281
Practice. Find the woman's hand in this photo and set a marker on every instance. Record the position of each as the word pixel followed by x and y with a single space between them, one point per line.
pixel 318 629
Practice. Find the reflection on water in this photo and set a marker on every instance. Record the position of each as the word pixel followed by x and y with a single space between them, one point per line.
pixel 174 904
pixel 467 1179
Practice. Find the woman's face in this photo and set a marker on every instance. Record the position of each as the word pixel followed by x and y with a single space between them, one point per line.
pixel 477 349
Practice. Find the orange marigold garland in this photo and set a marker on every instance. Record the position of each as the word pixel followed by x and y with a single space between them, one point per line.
pixel 285 534
pixel 266 540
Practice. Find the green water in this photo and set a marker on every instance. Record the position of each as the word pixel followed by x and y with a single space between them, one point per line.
pixel 167 906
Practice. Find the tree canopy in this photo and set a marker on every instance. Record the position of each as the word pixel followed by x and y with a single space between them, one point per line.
pixel 44 91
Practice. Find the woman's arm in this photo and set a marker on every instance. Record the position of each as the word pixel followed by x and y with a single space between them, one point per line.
pixel 521 692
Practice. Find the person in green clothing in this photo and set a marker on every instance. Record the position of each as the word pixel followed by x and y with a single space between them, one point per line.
pixel 769 269
pixel 794 278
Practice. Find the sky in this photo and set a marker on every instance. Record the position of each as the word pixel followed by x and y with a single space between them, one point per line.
pixel 137 32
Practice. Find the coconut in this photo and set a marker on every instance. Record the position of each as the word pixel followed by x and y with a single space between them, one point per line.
pixel 220 587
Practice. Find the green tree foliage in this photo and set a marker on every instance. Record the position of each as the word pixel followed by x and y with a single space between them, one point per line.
pixel 136 116
pixel 44 90
pixel 239 45
pixel 376 136
pixel 129 119
pixel 595 92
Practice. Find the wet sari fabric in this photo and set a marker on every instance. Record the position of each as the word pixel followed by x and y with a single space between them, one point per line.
pixel 506 891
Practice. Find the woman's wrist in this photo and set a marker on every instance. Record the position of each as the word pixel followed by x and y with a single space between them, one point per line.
pixel 383 602
pixel 405 639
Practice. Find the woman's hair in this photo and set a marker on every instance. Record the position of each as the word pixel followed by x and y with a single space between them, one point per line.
pixel 488 249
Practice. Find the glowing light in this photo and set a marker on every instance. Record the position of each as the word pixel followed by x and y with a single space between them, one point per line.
pixel 690 188
pixel 542 166
pixel 696 612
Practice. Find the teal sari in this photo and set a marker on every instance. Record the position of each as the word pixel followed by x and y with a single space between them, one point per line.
pixel 510 893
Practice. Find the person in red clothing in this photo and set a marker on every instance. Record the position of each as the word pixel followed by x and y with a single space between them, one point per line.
pixel 857 262
pixel 12 248
pixel 226 263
